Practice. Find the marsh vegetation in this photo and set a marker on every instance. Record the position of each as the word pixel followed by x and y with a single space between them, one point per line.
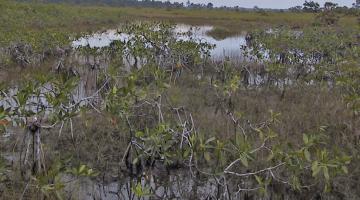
pixel 95 107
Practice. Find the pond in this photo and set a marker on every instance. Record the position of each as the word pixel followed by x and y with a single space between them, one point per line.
pixel 229 46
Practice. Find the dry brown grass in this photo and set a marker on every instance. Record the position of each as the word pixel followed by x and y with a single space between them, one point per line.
pixel 303 109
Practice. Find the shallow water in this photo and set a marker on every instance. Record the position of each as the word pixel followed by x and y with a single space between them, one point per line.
pixel 176 185
pixel 226 47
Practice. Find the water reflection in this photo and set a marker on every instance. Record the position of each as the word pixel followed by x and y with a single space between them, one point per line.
pixel 99 40
pixel 178 184
pixel 226 47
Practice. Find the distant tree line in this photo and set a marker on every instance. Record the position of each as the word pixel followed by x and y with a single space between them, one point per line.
pixel 313 6
pixel 142 3
pixel 308 6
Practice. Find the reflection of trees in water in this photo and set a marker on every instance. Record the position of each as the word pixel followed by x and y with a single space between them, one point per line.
pixel 158 185
pixel 178 184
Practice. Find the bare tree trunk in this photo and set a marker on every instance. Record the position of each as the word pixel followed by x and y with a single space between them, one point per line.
pixel 31 145
pixel 37 152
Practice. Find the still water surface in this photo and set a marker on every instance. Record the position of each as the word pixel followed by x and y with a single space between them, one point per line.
pixel 224 47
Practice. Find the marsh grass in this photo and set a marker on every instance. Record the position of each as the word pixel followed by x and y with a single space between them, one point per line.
pixel 303 108
pixel 40 23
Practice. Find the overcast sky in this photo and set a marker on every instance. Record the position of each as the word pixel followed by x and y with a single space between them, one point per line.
pixel 265 3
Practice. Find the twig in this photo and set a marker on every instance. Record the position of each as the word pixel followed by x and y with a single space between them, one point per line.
pixel 23 193
pixel 226 171
pixel 71 129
